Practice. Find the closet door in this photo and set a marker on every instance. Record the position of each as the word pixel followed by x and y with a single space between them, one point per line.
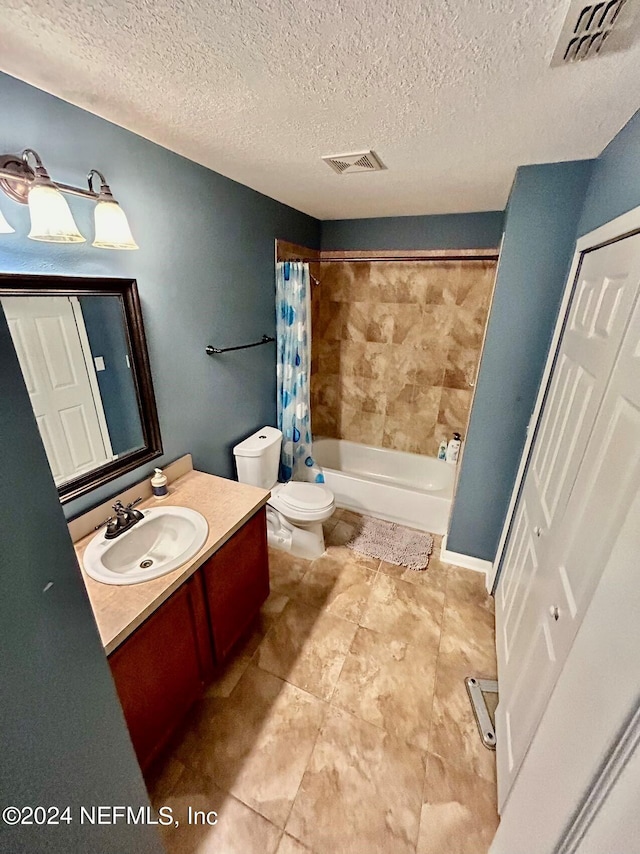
pixel 528 601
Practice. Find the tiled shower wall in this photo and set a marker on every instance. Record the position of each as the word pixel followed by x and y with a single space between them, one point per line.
pixel 395 349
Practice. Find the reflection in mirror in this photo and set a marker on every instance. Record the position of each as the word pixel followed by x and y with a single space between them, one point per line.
pixel 75 359
pixel 84 362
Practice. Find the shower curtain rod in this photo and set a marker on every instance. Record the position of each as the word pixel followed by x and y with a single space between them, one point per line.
pixel 304 261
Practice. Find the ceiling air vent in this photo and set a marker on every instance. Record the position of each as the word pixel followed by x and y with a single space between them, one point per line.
pixel 361 161
pixel 594 28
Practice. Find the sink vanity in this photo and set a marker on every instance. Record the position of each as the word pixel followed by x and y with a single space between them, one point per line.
pixel 165 636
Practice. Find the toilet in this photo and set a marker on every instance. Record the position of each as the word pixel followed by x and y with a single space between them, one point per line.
pixel 296 510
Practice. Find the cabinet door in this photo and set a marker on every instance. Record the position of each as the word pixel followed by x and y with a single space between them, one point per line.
pixel 237 583
pixel 161 669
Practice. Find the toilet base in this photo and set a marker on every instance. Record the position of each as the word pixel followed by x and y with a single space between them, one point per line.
pixel 306 542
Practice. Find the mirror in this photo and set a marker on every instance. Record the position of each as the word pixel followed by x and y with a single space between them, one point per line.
pixel 81 346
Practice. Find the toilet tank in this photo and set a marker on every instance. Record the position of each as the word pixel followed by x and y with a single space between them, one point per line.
pixel 258 458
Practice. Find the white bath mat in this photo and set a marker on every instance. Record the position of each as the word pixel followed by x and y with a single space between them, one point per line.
pixel 392 543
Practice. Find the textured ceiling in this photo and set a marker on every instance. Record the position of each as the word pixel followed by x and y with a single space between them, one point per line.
pixel 452 95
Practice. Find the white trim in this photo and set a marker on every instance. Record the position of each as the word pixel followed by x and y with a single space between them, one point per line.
pixel 91 373
pixel 465 561
pixel 616 228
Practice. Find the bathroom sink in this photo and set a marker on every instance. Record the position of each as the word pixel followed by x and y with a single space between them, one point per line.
pixel 161 542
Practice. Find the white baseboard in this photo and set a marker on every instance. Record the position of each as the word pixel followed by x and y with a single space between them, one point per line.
pixel 465 561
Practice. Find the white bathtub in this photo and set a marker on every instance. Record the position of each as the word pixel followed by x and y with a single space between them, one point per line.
pixel 406 488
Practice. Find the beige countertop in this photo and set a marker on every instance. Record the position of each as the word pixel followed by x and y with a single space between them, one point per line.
pixel 225 504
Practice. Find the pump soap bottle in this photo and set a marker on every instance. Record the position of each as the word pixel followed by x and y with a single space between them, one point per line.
pixel 453 449
pixel 159 484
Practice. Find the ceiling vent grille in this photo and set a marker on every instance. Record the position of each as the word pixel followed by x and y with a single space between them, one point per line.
pixel 361 161
pixel 594 28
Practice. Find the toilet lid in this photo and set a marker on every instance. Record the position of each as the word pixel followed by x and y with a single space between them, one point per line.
pixel 305 496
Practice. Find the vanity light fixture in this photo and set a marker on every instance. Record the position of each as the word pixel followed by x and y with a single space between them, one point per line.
pixel 112 226
pixel 5 228
pixel 51 217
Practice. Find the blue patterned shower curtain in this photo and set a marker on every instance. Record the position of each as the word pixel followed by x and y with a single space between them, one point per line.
pixel 293 335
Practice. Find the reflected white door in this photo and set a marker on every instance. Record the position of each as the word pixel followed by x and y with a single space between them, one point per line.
pixel 543 592
pixel 50 353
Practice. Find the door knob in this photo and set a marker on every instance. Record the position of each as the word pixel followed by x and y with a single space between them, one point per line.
pixel 537 531
pixel 555 612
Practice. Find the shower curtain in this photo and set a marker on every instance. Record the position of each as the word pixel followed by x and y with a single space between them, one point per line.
pixel 293 336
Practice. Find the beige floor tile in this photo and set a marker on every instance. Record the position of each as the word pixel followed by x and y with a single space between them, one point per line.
pixel 340 586
pixel 459 812
pixel 467 586
pixel 286 571
pixel 256 743
pixel 407 612
pixel 468 639
pixel 434 576
pixel 347 555
pixel 162 777
pixel 454 733
pixel 390 684
pixel 238 829
pixel 229 674
pixel 341 533
pixel 362 791
pixel 289 845
pixel 307 647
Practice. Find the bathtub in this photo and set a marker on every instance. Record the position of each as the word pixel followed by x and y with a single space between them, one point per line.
pixel 406 488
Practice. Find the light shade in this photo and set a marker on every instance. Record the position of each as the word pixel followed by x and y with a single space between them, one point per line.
pixel 51 218
pixel 112 227
pixel 5 228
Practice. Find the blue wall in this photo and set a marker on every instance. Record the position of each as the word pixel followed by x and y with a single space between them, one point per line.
pixel 105 323
pixel 615 185
pixel 447 231
pixel 205 269
pixel 540 227
pixel 63 735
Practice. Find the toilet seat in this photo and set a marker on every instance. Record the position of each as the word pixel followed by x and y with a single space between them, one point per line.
pixel 302 501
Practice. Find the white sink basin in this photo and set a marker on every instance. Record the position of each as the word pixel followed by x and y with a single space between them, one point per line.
pixel 161 542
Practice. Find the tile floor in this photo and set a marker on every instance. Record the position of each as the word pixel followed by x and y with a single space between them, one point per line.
pixel 342 725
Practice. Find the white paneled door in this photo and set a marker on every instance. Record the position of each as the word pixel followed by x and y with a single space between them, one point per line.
pixel 50 353
pixel 583 463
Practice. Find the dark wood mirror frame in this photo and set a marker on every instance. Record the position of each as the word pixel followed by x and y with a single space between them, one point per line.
pixel 127 289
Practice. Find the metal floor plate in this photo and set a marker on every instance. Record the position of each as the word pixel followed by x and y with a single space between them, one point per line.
pixel 483 707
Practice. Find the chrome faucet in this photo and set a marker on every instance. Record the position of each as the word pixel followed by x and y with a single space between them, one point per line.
pixel 125 517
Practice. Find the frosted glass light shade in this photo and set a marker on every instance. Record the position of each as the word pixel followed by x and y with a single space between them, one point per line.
pixel 5 228
pixel 51 218
pixel 112 227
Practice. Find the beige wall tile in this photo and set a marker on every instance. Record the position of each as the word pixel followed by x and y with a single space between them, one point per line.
pixel 461 367
pixel 386 336
pixel 368 397
pixel 359 426
pixel 454 408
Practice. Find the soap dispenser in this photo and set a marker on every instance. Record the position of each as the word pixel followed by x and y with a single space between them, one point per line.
pixel 159 484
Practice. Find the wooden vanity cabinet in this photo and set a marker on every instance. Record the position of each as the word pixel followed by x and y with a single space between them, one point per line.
pixel 236 582
pixel 162 668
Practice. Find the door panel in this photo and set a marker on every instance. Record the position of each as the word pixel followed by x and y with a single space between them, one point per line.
pixel 49 350
pixel 605 487
pixel 516 725
pixel 549 572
